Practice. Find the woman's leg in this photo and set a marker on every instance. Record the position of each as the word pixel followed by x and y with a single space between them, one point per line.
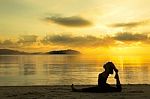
pixel 118 87
pixel 75 90
pixel 89 89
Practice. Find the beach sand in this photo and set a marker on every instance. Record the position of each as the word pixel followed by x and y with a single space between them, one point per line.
pixel 64 92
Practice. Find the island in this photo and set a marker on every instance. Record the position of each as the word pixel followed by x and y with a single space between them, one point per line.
pixel 15 52
pixel 69 51
pixel 11 52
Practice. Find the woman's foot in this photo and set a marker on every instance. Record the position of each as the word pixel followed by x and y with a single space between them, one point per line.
pixel 75 90
pixel 72 86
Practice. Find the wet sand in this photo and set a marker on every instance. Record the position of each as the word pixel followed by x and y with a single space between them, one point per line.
pixel 64 92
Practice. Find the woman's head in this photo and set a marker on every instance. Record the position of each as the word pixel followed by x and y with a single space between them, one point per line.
pixel 109 67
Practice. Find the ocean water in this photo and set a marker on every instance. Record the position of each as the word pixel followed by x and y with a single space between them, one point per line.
pixel 22 70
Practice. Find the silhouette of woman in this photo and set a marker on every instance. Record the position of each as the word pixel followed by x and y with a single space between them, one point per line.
pixel 102 79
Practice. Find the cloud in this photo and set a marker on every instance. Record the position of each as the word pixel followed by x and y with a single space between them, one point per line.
pixel 93 41
pixel 120 39
pixel 130 37
pixel 22 42
pixel 130 24
pixel 73 21
pixel 77 41
pixel 8 44
pixel 27 39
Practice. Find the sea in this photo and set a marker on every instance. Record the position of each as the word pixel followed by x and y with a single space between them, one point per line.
pixel 29 70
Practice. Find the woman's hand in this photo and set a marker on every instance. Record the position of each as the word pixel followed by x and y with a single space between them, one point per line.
pixel 116 70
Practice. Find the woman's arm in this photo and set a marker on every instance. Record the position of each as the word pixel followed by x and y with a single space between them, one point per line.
pixel 117 79
pixel 118 84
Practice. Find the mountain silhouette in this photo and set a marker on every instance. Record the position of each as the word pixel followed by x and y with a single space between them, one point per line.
pixel 15 52
pixel 69 51
pixel 10 52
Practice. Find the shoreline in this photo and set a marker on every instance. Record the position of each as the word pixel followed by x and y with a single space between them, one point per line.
pixel 130 91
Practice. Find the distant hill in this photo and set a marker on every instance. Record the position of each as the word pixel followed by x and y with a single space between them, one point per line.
pixel 15 52
pixel 10 52
pixel 69 51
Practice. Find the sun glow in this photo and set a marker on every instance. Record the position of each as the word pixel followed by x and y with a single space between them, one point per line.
pixel 125 51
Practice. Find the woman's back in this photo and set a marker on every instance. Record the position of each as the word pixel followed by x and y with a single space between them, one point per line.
pixel 102 79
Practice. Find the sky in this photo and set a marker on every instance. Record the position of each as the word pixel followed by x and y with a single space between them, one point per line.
pixel 91 26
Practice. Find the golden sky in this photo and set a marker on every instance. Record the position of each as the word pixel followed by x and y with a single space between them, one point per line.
pixel 101 26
